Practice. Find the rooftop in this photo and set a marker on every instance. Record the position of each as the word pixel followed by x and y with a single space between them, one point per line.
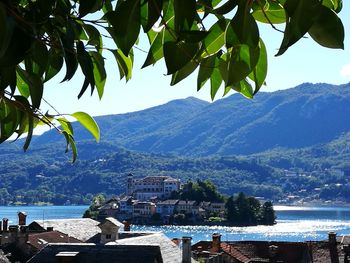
pixel 82 228
pixel 39 240
pixel 170 252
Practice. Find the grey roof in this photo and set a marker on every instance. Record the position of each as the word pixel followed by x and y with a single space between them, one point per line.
pixel 170 252
pixel 189 202
pixel 82 228
pixel 95 253
pixel 113 221
pixel 168 202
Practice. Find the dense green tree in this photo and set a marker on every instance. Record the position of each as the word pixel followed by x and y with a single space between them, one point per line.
pixel 220 38
pixel 199 191
pixel 267 216
pixel 247 211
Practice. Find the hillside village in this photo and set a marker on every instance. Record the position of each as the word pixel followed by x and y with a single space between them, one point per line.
pixel 86 240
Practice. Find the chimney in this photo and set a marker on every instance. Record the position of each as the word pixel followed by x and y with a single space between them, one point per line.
pixel 176 241
pixel 22 218
pixel 126 226
pixel 273 253
pixel 346 249
pixel 186 249
pixel 49 228
pixel 5 222
pixel 333 250
pixel 13 228
pixel 216 243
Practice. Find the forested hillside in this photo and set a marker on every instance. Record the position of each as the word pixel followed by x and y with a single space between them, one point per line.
pixel 304 116
pixel 238 144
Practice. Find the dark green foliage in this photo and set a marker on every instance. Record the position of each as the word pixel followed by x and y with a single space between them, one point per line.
pixel 92 211
pixel 247 211
pixel 199 191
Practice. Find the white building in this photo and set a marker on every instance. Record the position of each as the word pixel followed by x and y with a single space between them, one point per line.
pixel 152 186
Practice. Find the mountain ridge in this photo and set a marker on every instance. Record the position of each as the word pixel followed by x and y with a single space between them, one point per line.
pixel 299 117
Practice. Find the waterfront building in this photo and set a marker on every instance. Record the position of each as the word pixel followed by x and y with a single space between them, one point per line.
pixel 143 209
pixel 167 207
pixel 187 207
pixel 149 187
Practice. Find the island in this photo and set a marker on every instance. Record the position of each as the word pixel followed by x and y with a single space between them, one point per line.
pixel 162 200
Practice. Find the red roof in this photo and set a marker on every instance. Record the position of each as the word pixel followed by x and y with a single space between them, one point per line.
pixel 230 250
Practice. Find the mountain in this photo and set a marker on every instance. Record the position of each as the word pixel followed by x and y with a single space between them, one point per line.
pixel 304 129
pixel 307 115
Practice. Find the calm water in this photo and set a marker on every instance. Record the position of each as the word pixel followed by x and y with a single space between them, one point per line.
pixel 293 223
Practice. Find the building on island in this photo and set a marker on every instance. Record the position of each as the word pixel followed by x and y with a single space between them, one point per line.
pixel 146 188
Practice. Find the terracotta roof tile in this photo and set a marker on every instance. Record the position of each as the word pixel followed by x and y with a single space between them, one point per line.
pixel 230 250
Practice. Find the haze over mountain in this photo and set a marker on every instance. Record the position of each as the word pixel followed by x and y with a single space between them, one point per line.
pixel 304 129
pixel 307 115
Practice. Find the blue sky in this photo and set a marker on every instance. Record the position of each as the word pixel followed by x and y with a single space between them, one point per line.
pixel 304 62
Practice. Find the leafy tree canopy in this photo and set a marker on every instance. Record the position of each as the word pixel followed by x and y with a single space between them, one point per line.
pixel 220 38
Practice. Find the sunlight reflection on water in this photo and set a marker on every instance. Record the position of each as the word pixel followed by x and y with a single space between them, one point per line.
pixel 287 230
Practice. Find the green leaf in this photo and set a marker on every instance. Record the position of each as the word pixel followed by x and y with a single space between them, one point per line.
pixel 99 71
pixel 301 14
pixel 9 119
pixel 272 12
pixel 35 85
pixel 215 82
pixel 86 65
pixel 205 70
pixel 30 120
pixel 259 73
pixel 183 72
pixel 22 85
pixel 244 88
pixel 40 57
pixel 70 143
pixel 95 38
pixel 70 55
pixel 335 5
pixel 177 55
pixel 124 64
pixel 154 8
pixel 126 24
pixel 185 14
pixel 226 7
pixel 87 6
pixel 89 123
pixel 66 125
pixel 215 40
pixel 107 6
pixel 155 52
pixel 55 63
pixel 8 78
pixel 157 39
pixel 6 29
pixel 328 30
pixel 193 36
pixel 18 42
pixel 242 29
pixel 242 61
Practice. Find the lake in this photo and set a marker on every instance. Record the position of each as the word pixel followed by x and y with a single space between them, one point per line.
pixel 293 223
